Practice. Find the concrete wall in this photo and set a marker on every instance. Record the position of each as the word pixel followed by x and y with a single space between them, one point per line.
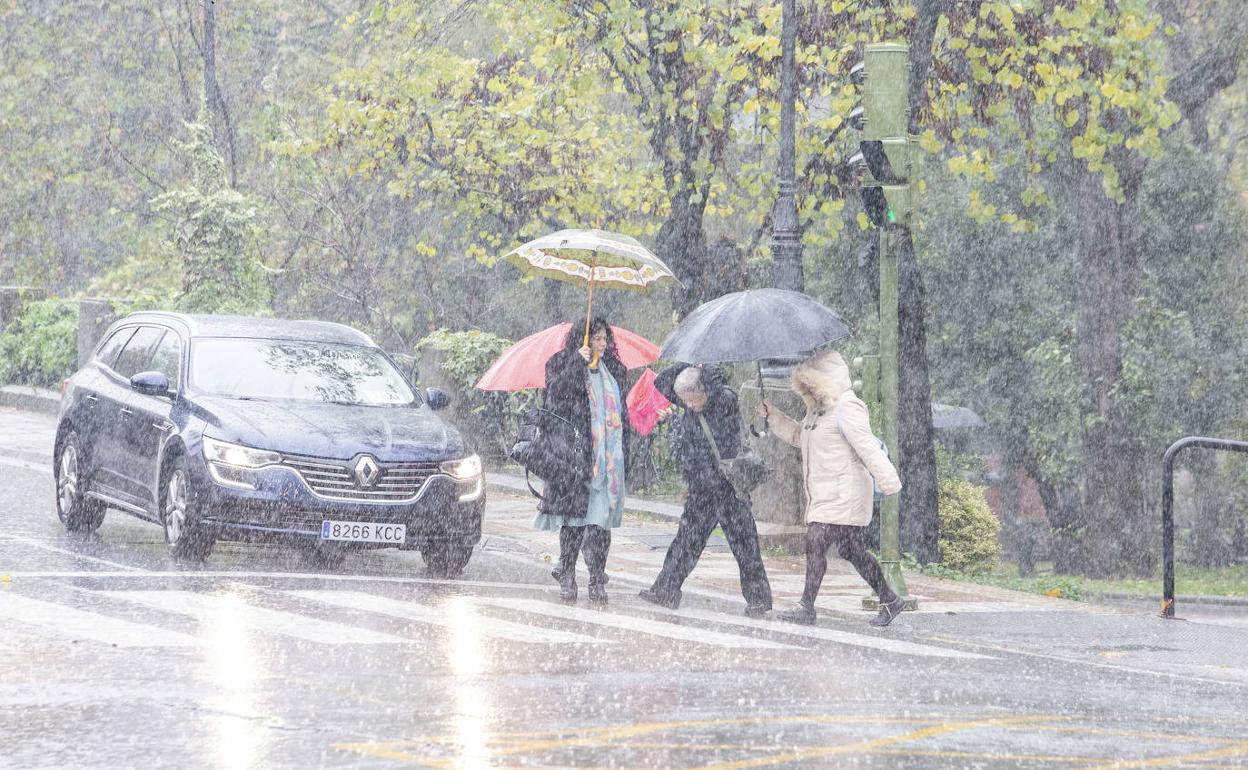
pixel 94 318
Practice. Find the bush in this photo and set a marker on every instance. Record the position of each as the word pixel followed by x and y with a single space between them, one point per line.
pixel 465 355
pixel 41 346
pixel 968 528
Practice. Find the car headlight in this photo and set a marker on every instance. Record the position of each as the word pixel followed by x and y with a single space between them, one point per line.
pixel 463 470
pixel 217 451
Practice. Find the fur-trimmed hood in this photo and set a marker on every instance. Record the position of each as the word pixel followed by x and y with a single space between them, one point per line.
pixel 822 379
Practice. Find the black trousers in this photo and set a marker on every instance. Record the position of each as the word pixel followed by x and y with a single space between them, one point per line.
pixel 703 511
pixel 592 541
pixel 852 548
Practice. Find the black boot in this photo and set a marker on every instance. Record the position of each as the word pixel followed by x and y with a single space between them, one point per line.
pixel 597 545
pixel 663 600
pixel 569 549
pixel 802 614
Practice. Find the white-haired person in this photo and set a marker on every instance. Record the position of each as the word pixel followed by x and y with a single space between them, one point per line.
pixel 703 394
pixel 840 458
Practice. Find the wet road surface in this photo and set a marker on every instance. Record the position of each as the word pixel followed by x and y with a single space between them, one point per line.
pixel 113 655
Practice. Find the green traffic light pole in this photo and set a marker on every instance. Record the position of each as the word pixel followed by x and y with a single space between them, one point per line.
pixel 886 105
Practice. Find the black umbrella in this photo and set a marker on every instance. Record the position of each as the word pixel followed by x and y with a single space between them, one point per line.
pixel 753 326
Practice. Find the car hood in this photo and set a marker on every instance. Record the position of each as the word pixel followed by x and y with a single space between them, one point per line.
pixel 332 430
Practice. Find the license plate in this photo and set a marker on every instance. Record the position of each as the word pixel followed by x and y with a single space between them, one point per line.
pixel 363 532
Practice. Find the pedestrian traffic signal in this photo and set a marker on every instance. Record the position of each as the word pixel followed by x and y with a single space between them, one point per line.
pixel 886 157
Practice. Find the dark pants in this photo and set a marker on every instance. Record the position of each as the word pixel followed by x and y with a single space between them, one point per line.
pixel 702 513
pixel 852 548
pixel 592 541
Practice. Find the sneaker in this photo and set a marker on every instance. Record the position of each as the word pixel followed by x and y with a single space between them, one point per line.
pixel 654 597
pixel 598 593
pixel 801 614
pixel 888 612
pixel 756 611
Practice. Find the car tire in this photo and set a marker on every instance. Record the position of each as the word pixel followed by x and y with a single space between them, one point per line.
pixel 185 533
pixel 446 560
pixel 77 512
pixel 326 556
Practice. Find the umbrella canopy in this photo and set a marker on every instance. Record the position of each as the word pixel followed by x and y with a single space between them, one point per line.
pixel 523 365
pixel 646 404
pixel 947 416
pixel 593 257
pixel 754 325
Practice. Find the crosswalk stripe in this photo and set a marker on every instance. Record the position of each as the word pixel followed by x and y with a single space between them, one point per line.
pixel 213 609
pixel 80 624
pixel 831 635
pixel 635 623
pixel 491 627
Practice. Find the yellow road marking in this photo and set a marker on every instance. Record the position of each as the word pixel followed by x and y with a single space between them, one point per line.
pixel 1237 750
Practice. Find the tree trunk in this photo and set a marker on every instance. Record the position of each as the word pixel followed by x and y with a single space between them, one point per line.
pixel 552 306
pixel 1211 546
pixel 919 519
pixel 682 239
pixel 1115 512
pixel 222 131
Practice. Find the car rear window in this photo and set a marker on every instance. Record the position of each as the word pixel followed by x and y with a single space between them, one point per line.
pixel 293 370
pixel 110 349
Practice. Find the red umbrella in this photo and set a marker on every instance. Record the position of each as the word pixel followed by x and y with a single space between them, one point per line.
pixel 523 365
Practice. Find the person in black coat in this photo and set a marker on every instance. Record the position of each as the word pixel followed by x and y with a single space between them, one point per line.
pixel 583 421
pixel 704 391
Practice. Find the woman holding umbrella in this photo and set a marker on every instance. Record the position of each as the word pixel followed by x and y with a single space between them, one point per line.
pixel 584 499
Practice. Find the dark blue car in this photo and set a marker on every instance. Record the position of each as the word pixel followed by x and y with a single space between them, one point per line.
pixel 262 429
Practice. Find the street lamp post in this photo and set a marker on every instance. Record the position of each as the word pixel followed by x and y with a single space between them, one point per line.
pixel 786 234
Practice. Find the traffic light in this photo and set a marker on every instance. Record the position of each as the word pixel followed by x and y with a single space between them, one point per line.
pixel 886 150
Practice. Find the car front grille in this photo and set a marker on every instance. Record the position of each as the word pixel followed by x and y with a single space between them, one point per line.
pixel 334 479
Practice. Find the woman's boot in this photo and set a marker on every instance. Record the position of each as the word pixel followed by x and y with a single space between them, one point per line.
pixel 597 545
pixel 569 548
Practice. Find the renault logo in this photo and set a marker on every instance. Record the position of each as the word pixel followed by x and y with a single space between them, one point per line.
pixel 366 471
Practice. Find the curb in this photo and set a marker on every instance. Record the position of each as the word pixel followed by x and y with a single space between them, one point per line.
pixel 31 399
pixel 1122 596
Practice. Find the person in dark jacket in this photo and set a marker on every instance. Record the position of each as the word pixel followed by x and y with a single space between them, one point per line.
pixel 704 391
pixel 583 414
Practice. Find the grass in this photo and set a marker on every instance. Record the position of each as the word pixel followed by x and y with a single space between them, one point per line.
pixel 1189 580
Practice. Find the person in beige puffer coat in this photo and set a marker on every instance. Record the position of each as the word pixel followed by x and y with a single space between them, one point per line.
pixel 840 458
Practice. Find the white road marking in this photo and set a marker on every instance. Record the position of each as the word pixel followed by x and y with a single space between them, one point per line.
pixel 79 624
pixel 635 623
pixel 210 609
pixel 134 572
pixel 45 547
pixel 491 627
pixel 928 606
pixel 832 635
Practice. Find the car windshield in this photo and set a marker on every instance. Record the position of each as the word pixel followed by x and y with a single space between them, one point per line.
pixel 291 370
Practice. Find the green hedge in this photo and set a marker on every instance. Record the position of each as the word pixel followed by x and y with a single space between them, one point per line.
pixel 968 528
pixel 41 346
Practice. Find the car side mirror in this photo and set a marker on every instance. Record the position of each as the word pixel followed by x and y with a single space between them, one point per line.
pixel 437 398
pixel 150 383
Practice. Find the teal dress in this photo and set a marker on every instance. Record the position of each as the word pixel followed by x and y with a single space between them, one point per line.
pixel 606 488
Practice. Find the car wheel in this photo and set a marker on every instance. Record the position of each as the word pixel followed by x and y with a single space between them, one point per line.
pixel 446 559
pixel 329 556
pixel 184 531
pixel 76 511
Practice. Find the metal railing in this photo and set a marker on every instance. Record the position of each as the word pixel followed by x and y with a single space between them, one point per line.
pixel 1167 507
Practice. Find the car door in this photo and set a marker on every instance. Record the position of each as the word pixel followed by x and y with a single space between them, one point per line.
pixel 116 408
pixel 150 421
pixel 92 424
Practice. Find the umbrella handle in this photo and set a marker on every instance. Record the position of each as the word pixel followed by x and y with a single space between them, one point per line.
pixel 589 311
pixel 761 396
